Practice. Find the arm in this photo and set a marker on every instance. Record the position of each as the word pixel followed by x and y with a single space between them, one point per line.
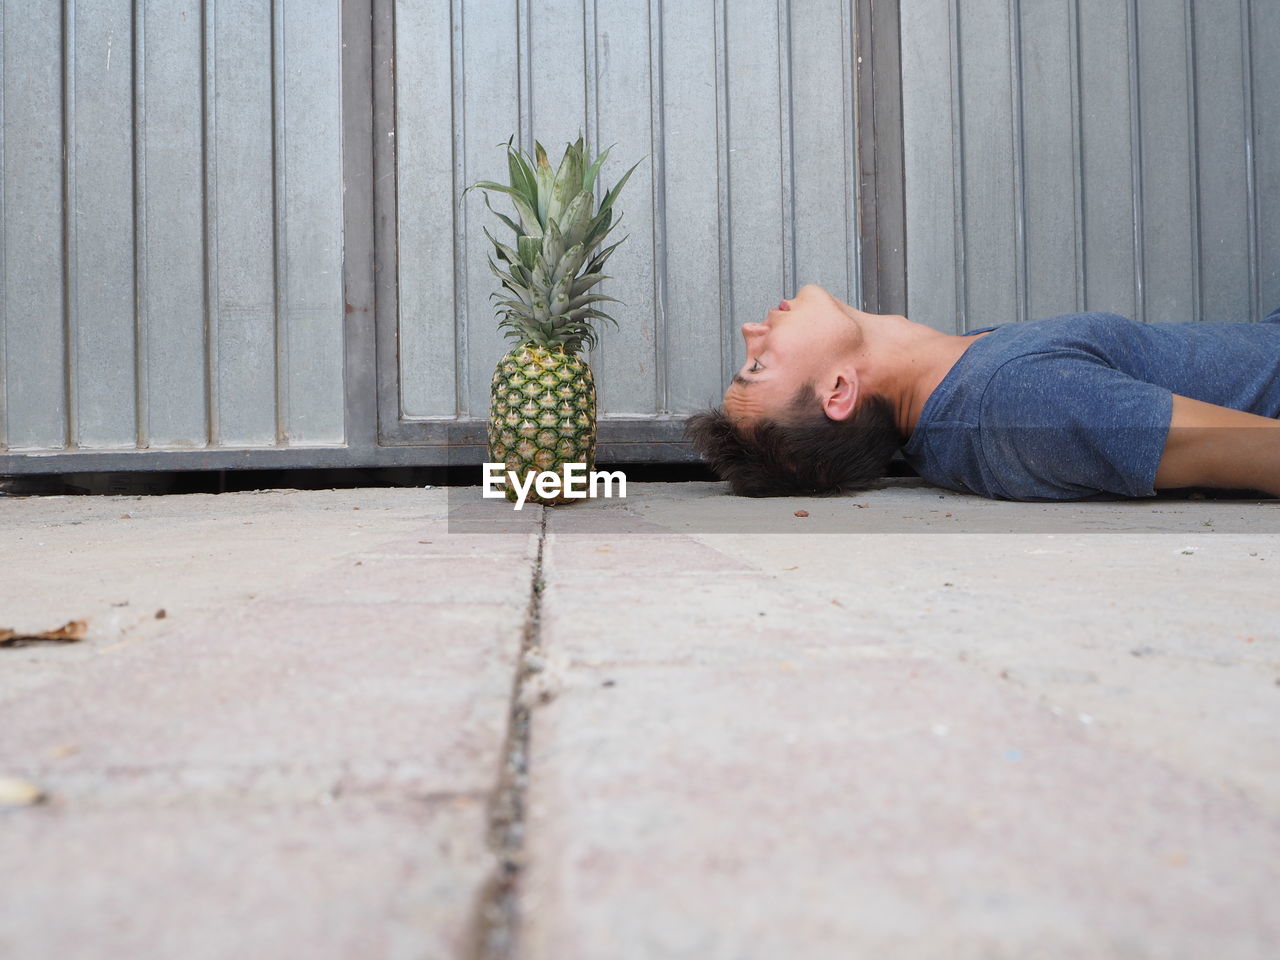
pixel 1212 446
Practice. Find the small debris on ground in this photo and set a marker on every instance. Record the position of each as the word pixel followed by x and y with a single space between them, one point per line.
pixel 70 632
pixel 18 793
pixel 802 513
pixel 161 614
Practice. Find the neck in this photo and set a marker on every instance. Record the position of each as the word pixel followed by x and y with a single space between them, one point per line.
pixel 908 361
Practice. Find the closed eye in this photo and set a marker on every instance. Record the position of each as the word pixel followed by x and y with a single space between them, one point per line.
pixel 755 367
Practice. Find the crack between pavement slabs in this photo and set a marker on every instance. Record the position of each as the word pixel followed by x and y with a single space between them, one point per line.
pixel 496 921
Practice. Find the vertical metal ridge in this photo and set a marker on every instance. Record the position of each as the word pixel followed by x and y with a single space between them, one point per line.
pixel 141 335
pixel 850 121
pixel 591 84
pixel 70 352
pixel 1077 146
pixel 786 144
pixel 358 51
pixel 1251 168
pixel 1135 163
pixel 591 60
pixel 1016 105
pixel 1193 133
pixel 658 149
pixel 957 171
pixel 723 191
pixel 279 238
pixel 4 263
pixel 461 326
pixel 392 171
pixel 208 107
pixel 384 263
pixel 524 73
pixel 588 82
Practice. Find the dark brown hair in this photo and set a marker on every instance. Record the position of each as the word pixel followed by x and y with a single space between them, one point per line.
pixel 810 454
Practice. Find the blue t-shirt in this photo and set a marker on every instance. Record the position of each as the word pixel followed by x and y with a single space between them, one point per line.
pixel 1078 407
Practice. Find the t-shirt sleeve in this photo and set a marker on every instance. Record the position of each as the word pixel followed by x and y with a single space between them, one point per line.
pixel 1063 425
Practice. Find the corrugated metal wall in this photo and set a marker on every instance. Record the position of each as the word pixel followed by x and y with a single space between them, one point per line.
pixel 171 253
pixel 1064 155
pixel 178 176
pixel 743 113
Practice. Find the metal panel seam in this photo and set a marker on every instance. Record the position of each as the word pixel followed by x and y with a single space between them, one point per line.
pixel 524 76
pixel 70 353
pixel 724 190
pixel 786 143
pixel 658 150
pixel 4 267
pixel 590 86
pixel 279 237
pixel 1193 111
pixel 595 354
pixel 849 120
pixel 1135 162
pixel 356 104
pixel 1016 104
pixel 961 321
pixel 142 425
pixel 1077 144
pixel 208 106
pixel 461 317
pixel 278 159
pixel 1251 170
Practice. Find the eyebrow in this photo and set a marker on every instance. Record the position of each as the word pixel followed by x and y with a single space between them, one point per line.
pixel 742 381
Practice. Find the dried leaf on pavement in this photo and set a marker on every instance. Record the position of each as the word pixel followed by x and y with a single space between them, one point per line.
pixel 70 632
pixel 18 793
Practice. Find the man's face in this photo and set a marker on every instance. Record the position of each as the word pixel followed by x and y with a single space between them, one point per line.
pixel 796 344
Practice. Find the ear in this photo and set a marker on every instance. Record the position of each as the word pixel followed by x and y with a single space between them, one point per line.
pixel 839 400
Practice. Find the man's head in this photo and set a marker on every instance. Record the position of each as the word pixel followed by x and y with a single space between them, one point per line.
pixel 797 418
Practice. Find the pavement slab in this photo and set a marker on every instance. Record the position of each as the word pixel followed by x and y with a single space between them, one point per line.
pixel 295 759
pixel 1048 730
pixel 415 723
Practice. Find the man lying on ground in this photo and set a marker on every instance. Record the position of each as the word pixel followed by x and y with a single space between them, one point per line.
pixel 1080 407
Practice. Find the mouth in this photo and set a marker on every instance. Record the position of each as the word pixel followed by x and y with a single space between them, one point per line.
pixel 784 305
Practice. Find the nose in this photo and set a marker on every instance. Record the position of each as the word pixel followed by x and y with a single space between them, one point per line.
pixel 752 329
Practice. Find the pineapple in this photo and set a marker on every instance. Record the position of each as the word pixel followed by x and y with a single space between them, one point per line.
pixel 542 410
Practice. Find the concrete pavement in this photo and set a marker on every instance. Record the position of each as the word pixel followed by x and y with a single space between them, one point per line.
pixel 408 723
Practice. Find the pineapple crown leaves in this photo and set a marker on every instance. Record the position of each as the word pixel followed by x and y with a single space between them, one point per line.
pixel 547 275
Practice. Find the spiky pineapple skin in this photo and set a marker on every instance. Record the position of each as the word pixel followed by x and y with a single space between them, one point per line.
pixel 542 413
